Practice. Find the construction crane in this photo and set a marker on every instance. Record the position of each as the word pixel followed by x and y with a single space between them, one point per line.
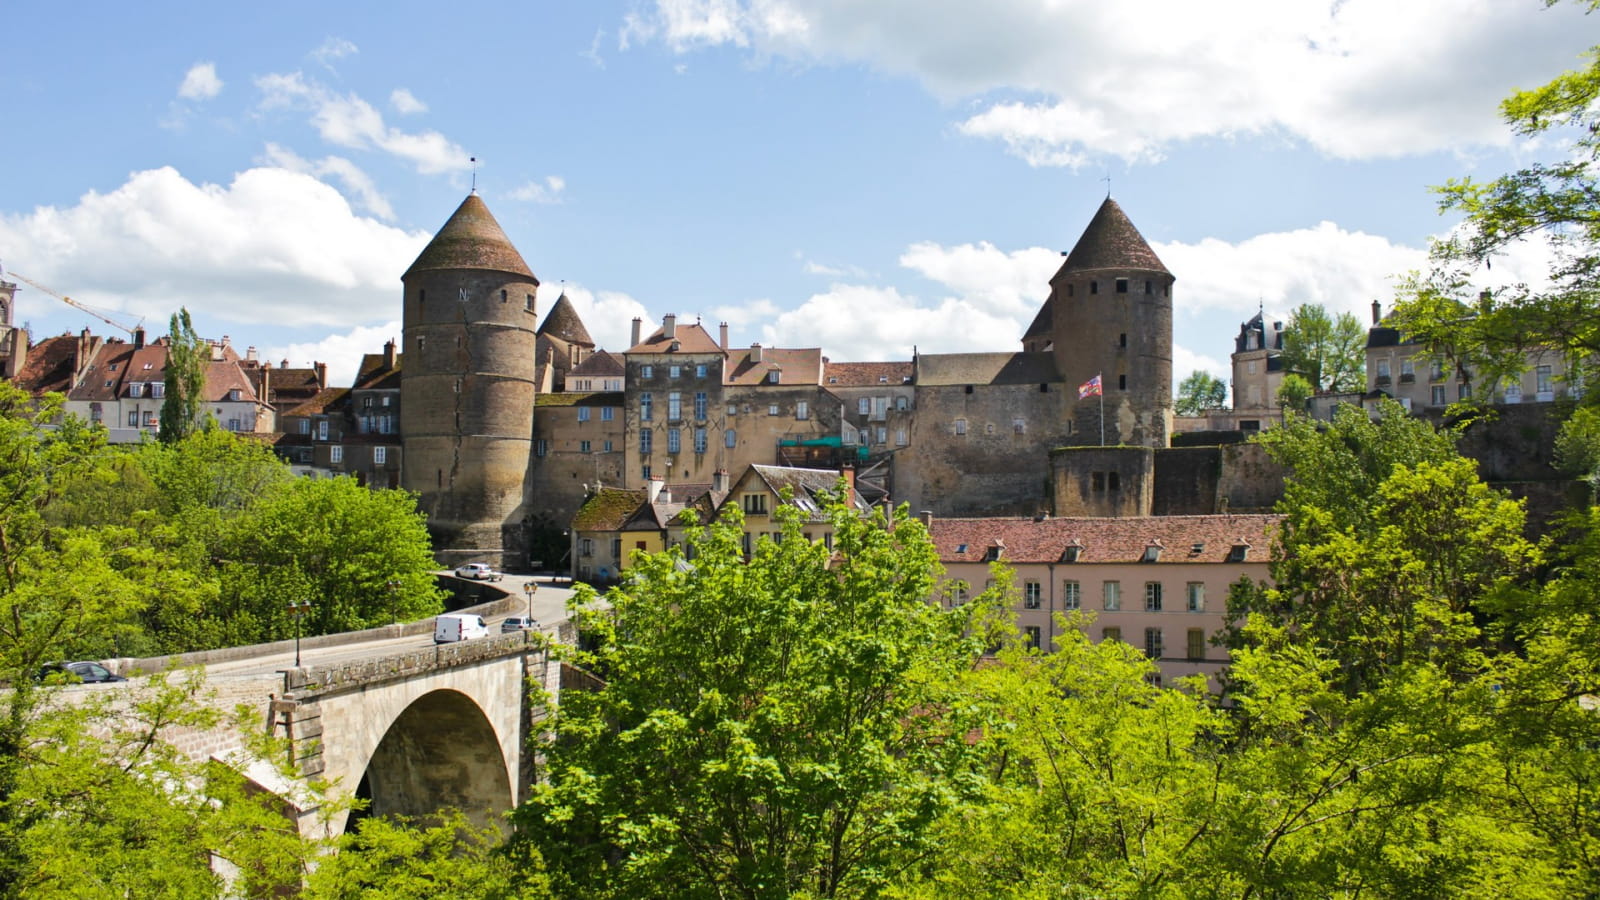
pixel 77 305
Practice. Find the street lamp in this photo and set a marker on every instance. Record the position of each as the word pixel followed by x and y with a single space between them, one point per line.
pixel 297 611
pixel 394 595
pixel 529 588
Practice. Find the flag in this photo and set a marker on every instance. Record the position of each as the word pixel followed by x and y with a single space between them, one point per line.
pixel 1090 388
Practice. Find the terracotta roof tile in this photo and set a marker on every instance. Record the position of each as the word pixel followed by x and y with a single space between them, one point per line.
pixel 601 364
pixel 691 338
pixel 471 239
pixel 1104 540
pixel 51 365
pixel 864 374
pixel 320 404
pixel 803 366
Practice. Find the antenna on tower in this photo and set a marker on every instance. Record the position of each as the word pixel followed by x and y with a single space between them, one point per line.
pixel 1107 180
pixel 474 161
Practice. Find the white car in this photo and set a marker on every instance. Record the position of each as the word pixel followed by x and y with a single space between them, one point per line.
pixel 478 572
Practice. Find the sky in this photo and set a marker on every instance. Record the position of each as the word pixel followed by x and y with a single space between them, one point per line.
pixel 864 177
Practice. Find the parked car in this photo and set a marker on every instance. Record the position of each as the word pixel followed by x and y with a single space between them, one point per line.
pixel 453 627
pixel 518 623
pixel 478 572
pixel 83 670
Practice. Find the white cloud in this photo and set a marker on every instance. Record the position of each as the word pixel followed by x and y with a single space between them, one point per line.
pixel 273 248
pixel 342 352
pixel 593 53
pixel 334 48
pixel 200 82
pixel 608 315
pixel 349 121
pixel 1186 361
pixel 406 103
pixel 1061 82
pixel 355 181
pixel 546 191
pixel 859 322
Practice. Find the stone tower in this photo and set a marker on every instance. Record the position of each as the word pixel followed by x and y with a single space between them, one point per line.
pixel 1110 314
pixel 467 386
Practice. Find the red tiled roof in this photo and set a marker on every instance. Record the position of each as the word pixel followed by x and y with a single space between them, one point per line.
pixel 691 338
pixel 604 363
pixel 319 404
pixel 1104 539
pixel 863 374
pixel 374 376
pixel 803 366
pixel 50 366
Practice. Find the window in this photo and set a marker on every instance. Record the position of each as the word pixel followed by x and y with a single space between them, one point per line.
pixel 1122 382
pixel 1383 371
pixel 530 302
pixel 699 440
pixel 755 504
pixel 586 547
pixel 380 455
pixel 730 439
pixel 322 430
pixel 1112 591
pixel 1111 633
pixel 1463 391
pixel 583 414
pixel 674 371
pixel 158 389
pixel 1094 287
pixel 700 406
pixel 150 419
pixel 336 454
pixel 234 394
pixel 646 407
pixel 1031 594
pixel 863 406
pixel 1122 339
pixel 772 409
pixel 366 402
pixel 1408 371
pixel 674 406
pixel 1436 370
pixel 882 435
pixel 1152 596
pixel 606 447
pixel 1543 381
pixel 1238 553
pixel 1438 395
pixel 961 426
pixel 1034 635
pixel 135 389
pixel 1019 425
pixel 1197 643
pixel 503 297
pixel 583 446
pixel 1152 643
pixel 1122 285
pixel 1513 393
pixel 607 413
pixel 644 472
pixel 700 370
pixel 647 371
pixel 801 410
pixel 616 548
pixel 733 409
pixel 1195 596
pixel 1148 287
pixel 541 447
pixel 900 437
pixel 674 440
pixel 1069 595
pixel 133 419
pixel 646 438
pixel 774 375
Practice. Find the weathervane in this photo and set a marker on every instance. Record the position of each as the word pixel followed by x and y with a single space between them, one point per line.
pixel 474 161
pixel 1107 180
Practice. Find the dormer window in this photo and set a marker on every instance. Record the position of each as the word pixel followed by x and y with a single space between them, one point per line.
pixel 773 376
pixel 1197 548
pixel 1152 552
pixel 1240 552
pixel 995 552
pixel 1072 551
pixel 961 548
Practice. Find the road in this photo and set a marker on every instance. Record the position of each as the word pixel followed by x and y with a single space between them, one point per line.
pixel 549 608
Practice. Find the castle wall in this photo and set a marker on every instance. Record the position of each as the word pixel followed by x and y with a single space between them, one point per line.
pixel 1103 481
pixel 1000 464
pixel 1116 323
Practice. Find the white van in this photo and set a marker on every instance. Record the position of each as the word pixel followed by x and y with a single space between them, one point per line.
pixel 454 627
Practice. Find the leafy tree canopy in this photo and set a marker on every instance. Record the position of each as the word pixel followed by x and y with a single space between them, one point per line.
pixel 1199 392
pixel 1329 352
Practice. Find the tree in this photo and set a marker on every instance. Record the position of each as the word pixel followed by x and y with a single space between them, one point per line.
pixel 791 725
pixel 396 859
pixel 1294 393
pixel 182 410
pixel 1199 392
pixel 1330 353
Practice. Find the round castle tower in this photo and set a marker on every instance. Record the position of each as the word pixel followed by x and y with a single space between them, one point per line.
pixel 1110 314
pixel 467 388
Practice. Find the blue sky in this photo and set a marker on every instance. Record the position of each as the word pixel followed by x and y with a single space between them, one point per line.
pixel 863 177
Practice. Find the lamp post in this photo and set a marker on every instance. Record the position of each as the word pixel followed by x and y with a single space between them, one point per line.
pixel 394 595
pixel 297 611
pixel 529 588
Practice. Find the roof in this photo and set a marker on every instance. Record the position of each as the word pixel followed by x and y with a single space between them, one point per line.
pixel 1111 242
pixel 1383 336
pixel 102 379
pixel 288 386
pixel 471 239
pixel 222 376
pixel 50 365
pixel 563 322
pixel 1042 323
pixel 807 485
pixel 318 404
pixel 802 366
pixel 375 376
pixel 580 398
pixel 935 369
pixel 608 509
pixel 689 339
pixel 601 363
pixel 1103 540
pixel 864 374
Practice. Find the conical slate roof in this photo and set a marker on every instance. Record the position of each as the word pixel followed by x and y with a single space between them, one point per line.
pixel 1041 323
pixel 563 322
pixel 471 239
pixel 1111 242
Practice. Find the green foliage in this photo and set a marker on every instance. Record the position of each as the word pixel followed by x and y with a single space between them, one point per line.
pixel 1328 352
pixel 1294 393
pixel 793 725
pixel 182 410
pixel 1199 392
pixel 447 860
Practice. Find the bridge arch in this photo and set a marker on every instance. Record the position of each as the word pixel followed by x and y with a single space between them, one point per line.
pixel 440 751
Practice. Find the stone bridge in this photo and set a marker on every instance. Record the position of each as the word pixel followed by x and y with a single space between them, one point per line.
pixel 409 729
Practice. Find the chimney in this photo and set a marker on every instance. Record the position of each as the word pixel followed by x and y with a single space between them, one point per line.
pixel 848 473
pixel 669 326
pixel 755 353
pixel 388 354
pixel 724 328
pixel 719 478
pixel 656 484
pixel 927 518
pixel 636 323
pixel 322 373
pixel 250 354
pixel 284 365
pixel 138 338
pixel 1377 312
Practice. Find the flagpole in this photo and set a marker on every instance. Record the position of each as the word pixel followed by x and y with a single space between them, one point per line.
pixel 1102 393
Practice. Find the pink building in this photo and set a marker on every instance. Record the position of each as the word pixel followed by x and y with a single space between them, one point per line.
pixel 1159 583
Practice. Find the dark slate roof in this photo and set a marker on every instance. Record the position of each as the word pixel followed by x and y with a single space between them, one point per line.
pixel 1104 540
pixel 471 239
pixel 1381 336
pixel 866 374
pixel 934 369
pixel 375 376
pixel 563 322
pixel 602 363
pixel 1111 242
pixel 803 366
pixel 1042 323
